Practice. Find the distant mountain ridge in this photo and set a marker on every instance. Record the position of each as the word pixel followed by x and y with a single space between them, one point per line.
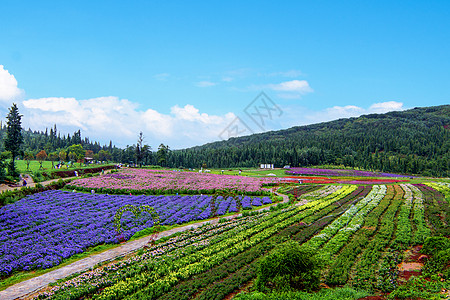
pixel 415 141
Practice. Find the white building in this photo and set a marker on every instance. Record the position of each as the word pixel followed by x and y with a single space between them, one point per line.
pixel 266 166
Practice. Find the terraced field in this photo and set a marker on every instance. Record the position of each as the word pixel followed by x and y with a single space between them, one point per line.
pixel 366 237
pixel 360 233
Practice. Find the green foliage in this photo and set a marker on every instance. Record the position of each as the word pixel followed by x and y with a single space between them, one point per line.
pixel 162 153
pixel 289 267
pixel 439 263
pixel 250 213
pixel 14 138
pixel 157 191
pixel 77 150
pixel 148 231
pixel 420 288
pixel 8 197
pixel 435 244
pixel 279 206
pixel 345 293
pixel 388 273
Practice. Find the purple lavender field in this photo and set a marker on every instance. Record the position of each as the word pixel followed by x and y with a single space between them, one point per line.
pixel 41 230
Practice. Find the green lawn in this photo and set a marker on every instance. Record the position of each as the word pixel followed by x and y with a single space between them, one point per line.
pixel 21 165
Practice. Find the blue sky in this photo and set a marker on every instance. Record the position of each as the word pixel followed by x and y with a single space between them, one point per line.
pixel 183 72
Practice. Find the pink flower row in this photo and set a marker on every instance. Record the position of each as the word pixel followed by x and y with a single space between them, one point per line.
pixel 141 179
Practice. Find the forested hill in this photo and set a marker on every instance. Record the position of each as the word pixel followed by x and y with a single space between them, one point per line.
pixel 415 141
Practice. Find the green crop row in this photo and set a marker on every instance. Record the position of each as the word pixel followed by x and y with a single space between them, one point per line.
pixel 367 266
pixel 338 273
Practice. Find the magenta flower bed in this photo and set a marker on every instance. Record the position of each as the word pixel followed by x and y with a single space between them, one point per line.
pixel 171 181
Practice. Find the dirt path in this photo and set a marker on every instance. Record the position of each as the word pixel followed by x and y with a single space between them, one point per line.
pixel 33 285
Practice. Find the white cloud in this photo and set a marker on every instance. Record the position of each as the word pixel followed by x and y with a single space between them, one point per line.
pixel 161 76
pixel 205 84
pixel 296 86
pixel 291 89
pixel 8 87
pixel 384 107
pixel 120 120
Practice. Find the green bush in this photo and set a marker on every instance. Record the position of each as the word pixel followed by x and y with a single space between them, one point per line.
pixel 419 288
pixel 439 264
pixel 148 231
pixel 8 197
pixel 288 268
pixel 435 244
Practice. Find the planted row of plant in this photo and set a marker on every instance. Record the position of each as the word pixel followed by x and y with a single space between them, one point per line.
pixel 328 214
pixel 421 230
pixel 442 187
pixel 437 210
pixel 90 281
pixel 156 290
pixel 144 181
pixel 169 273
pixel 356 212
pixel 367 265
pixel 42 230
pixel 183 263
pixel 344 234
pixel 338 273
pixel 403 233
pixel 301 189
pixel 226 277
pixel 320 193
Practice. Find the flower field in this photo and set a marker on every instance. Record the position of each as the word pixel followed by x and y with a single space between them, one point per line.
pixel 165 182
pixel 41 230
pixel 359 232
pixel 352 227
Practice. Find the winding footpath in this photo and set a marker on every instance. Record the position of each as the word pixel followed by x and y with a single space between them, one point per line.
pixel 26 288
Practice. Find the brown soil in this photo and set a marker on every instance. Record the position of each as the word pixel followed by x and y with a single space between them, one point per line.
pixel 411 265
pixel 370 227
pixel 242 289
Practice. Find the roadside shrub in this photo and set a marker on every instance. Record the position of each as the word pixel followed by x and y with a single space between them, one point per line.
pixel 288 268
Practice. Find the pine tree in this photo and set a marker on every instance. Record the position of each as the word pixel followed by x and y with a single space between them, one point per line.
pixel 14 138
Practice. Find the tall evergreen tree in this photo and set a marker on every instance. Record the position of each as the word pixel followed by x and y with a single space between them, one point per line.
pixel 162 153
pixel 14 138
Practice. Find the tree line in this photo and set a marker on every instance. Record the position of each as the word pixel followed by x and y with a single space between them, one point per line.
pixel 415 141
pixel 52 145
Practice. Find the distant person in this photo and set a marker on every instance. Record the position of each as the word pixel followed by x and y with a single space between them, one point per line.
pixel 239 172
pixel 103 172
pixel 76 173
pixel 24 182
